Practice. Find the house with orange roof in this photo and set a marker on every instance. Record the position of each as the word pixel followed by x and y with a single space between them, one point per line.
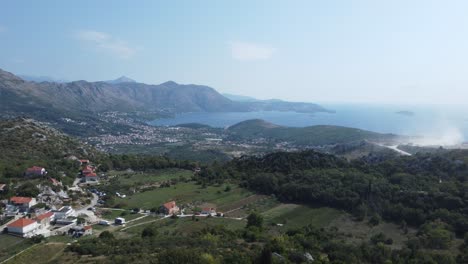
pixel 55 182
pixel 24 203
pixel 35 171
pixel 23 227
pixel 169 208
pixel 43 220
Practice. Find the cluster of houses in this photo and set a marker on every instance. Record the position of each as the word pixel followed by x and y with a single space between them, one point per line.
pixel 42 223
pixel 26 221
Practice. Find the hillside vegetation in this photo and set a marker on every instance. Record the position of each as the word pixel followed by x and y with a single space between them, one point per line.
pixel 26 142
pixel 313 135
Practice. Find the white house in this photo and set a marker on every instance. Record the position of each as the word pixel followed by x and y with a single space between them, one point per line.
pixel 64 212
pixel 44 220
pixel 23 227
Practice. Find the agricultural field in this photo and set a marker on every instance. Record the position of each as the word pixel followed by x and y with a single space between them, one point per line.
pixel 185 193
pixel 126 177
pixel 10 245
pixel 185 226
pixel 40 253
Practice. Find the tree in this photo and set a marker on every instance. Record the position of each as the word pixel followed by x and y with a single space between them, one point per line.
pixel 255 219
pixel 148 232
pixel 106 235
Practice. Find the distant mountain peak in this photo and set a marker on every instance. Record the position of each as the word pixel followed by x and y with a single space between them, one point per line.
pixel 170 83
pixel 122 79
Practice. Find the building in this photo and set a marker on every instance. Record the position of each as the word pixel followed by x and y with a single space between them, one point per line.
pixel 169 208
pixel 23 203
pixel 55 182
pixel 92 177
pixel 35 171
pixel 2 187
pixel 88 230
pixel 208 211
pixel 83 162
pixel 64 212
pixel 23 227
pixel 44 220
pixel 79 231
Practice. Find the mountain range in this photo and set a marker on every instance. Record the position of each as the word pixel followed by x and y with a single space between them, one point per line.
pixel 124 95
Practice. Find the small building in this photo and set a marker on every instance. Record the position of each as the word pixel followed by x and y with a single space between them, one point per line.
pixel 64 212
pixel 169 208
pixel 55 182
pixel 208 211
pixel 23 203
pixel 88 230
pixel 2 187
pixel 83 162
pixel 92 177
pixel 79 231
pixel 87 170
pixel 119 221
pixel 45 219
pixel 23 227
pixel 35 171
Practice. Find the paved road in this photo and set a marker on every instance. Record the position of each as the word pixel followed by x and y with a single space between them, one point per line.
pixel 90 214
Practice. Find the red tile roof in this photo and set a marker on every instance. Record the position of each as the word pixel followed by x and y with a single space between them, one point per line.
pixel 91 175
pixel 34 169
pixel 44 216
pixel 54 181
pixel 20 200
pixel 22 222
pixel 170 205
pixel 88 227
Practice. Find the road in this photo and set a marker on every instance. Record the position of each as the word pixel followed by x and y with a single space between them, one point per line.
pixel 92 218
pixel 395 148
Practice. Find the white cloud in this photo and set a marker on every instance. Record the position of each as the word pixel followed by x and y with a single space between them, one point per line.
pixel 245 51
pixel 106 42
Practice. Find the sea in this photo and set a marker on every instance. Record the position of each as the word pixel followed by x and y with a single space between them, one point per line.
pixel 439 124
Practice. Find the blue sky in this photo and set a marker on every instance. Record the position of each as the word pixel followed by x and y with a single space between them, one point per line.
pixel 317 51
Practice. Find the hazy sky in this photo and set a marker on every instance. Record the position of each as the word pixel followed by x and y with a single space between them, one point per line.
pixel 342 51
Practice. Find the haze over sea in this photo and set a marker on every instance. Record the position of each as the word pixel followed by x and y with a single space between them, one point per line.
pixel 439 125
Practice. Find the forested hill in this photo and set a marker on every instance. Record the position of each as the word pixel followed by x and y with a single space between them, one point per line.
pixel 416 189
pixel 313 135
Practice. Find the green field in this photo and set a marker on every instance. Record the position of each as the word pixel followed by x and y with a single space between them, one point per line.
pixel 41 253
pixel 184 193
pixel 10 245
pixel 150 177
pixel 185 226
pixel 294 215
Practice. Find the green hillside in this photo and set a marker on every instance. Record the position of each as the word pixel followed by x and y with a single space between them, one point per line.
pixel 26 142
pixel 313 135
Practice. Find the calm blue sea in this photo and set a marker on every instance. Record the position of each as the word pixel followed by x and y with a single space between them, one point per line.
pixel 444 122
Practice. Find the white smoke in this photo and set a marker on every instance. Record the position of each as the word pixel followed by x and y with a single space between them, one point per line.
pixel 445 136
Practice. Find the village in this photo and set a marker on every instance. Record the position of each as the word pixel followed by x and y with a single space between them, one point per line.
pixel 50 213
